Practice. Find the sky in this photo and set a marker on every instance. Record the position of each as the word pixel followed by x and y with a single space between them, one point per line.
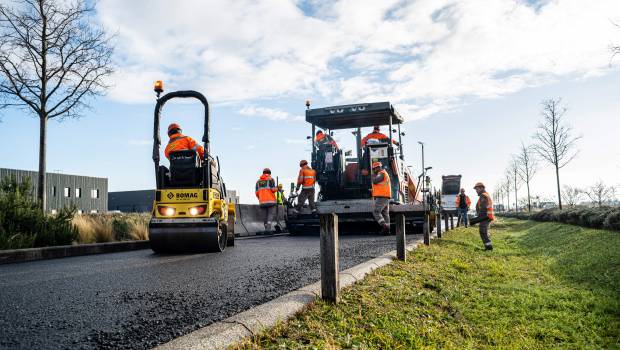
pixel 468 76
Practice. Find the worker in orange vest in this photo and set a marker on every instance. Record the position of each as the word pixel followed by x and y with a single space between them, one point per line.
pixel 180 142
pixel 325 139
pixel 484 214
pixel 305 180
pixel 377 135
pixel 266 193
pixel 462 206
pixel 381 193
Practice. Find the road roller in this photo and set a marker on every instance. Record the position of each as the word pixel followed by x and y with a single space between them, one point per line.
pixel 191 211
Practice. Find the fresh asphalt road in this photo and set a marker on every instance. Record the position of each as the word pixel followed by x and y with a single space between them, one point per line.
pixel 136 300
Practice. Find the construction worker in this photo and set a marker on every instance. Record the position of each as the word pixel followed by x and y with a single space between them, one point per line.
pixel 325 139
pixel 180 142
pixel 305 180
pixel 377 135
pixel 462 206
pixel 484 214
pixel 266 193
pixel 381 193
pixel 280 195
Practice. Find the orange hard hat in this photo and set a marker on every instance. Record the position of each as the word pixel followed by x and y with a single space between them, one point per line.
pixel 479 184
pixel 303 162
pixel 376 165
pixel 173 126
pixel 267 171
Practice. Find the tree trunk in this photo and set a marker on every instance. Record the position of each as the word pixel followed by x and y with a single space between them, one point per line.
pixel 557 177
pixel 516 196
pixel 41 186
pixel 529 202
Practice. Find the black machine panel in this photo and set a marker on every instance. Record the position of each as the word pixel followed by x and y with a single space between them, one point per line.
pixel 350 116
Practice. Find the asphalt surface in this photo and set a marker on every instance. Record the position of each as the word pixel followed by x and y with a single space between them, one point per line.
pixel 137 300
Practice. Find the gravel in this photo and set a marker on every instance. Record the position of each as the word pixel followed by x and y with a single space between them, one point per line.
pixel 137 300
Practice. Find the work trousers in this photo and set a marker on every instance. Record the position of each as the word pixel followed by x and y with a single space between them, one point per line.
pixel 381 212
pixel 306 193
pixel 463 214
pixel 268 211
pixel 484 234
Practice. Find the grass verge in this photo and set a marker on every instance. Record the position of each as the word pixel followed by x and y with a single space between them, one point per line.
pixel 546 285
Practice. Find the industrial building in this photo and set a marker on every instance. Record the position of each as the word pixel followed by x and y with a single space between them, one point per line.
pixel 131 201
pixel 88 194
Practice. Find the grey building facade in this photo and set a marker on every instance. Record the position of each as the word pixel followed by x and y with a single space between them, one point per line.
pixel 131 201
pixel 88 194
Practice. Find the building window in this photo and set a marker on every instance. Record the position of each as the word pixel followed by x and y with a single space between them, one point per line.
pixel 53 211
pixel 67 191
pixel 78 193
pixel 94 211
pixel 94 193
pixel 79 211
pixel 53 191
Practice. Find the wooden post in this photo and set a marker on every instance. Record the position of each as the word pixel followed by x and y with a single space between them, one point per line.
pixel 451 221
pixel 438 223
pixel 401 252
pixel 330 283
pixel 445 220
pixel 427 234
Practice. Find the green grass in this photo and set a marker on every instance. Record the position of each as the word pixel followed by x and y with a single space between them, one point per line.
pixel 546 285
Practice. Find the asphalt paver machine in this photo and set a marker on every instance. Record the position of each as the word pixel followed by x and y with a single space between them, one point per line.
pixel 191 212
pixel 344 178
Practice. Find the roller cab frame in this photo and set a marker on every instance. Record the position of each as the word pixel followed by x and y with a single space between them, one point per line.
pixel 191 211
pixel 344 177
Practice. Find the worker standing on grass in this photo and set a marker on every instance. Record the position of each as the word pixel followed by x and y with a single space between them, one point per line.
pixel 484 214
pixel 305 180
pixel 376 134
pixel 462 206
pixel 180 142
pixel 381 193
pixel 266 193
pixel 280 195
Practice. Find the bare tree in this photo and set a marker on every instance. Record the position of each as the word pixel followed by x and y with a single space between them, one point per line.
pixel 615 49
pixel 554 140
pixel 571 195
pixel 527 167
pixel 513 172
pixel 52 60
pixel 599 193
pixel 507 183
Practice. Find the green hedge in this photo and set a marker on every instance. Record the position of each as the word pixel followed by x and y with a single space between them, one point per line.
pixel 24 225
pixel 596 217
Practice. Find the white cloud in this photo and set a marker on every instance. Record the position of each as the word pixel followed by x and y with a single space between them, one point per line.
pixel 269 113
pixel 431 54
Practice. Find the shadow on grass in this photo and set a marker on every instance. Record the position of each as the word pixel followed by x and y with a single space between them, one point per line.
pixel 587 257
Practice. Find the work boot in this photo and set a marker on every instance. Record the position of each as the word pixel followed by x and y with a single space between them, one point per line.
pixel 488 247
pixel 313 211
pixel 385 229
pixel 295 211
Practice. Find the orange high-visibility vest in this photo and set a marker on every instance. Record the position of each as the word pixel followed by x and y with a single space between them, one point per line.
pixel 377 136
pixel 180 142
pixel 307 177
pixel 383 188
pixel 489 208
pixel 266 190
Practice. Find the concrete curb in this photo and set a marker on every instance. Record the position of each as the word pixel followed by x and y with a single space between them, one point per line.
pixel 225 333
pixel 32 254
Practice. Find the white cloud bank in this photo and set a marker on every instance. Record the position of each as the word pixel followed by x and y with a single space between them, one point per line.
pixel 425 56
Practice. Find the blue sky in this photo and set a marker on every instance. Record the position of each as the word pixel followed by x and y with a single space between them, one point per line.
pixel 468 76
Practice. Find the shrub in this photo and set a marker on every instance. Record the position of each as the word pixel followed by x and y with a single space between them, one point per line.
pixel 612 221
pixel 120 227
pixel 24 225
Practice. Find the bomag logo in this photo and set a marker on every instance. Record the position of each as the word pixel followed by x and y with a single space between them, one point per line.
pixel 170 195
pixel 187 195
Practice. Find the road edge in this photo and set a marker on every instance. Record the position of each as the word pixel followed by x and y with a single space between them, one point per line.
pixel 44 253
pixel 227 332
